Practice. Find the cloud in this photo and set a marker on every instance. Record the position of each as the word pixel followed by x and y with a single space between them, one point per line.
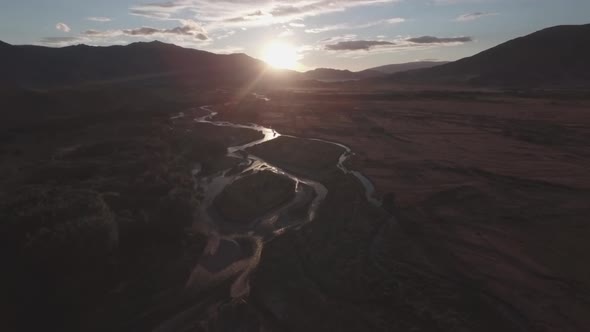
pixel 50 40
pixel 455 2
pixel 297 25
pixel 436 40
pixel 184 30
pixel 189 28
pixel 149 13
pixel 227 50
pixel 159 10
pixel 346 26
pixel 221 13
pixel 225 34
pixel 286 33
pixel 60 41
pixel 93 32
pixel 395 20
pixel 355 45
pixel 98 19
pixel 351 46
pixel 62 27
pixel 473 16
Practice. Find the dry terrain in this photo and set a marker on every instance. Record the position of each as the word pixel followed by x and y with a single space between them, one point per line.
pixel 484 226
pixel 494 187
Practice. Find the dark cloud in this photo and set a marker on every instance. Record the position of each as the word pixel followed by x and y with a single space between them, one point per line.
pixel 436 40
pixel 189 28
pixel 347 43
pixel 92 32
pixel 185 30
pixel 167 4
pixel 143 31
pixel 355 45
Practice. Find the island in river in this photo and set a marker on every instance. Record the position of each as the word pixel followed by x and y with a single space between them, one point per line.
pixel 252 196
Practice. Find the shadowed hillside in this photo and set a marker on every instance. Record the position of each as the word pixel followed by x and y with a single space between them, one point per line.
pixel 553 56
pixel 36 66
pixel 401 67
pixel 328 74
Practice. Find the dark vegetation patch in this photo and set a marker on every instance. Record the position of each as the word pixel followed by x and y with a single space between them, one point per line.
pixel 253 196
pixel 96 204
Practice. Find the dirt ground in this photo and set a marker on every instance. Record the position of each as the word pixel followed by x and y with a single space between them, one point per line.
pixel 494 187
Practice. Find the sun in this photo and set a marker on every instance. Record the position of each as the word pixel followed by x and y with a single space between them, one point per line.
pixel 280 55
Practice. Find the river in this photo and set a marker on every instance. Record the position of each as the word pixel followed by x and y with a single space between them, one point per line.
pixel 224 256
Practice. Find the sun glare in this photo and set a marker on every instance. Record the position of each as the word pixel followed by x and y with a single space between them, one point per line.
pixel 280 55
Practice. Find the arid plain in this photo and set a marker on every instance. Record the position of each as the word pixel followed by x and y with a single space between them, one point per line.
pixel 492 185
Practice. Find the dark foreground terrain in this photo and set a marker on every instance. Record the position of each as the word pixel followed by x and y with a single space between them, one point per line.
pixel 483 225
pixel 96 202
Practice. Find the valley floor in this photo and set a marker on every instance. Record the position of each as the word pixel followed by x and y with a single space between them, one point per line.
pixel 484 224
pixel 492 187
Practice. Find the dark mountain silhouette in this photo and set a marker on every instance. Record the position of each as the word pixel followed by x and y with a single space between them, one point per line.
pixel 399 67
pixel 36 66
pixel 553 56
pixel 328 74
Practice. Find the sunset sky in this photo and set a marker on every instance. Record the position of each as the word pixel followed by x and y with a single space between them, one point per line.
pixel 345 34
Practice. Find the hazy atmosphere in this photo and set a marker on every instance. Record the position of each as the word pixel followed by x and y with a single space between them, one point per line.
pixel 343 34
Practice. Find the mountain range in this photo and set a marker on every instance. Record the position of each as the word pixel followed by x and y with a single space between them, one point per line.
pixel 328 74
pixel 400 67
pixel 553 56
pixel 36 66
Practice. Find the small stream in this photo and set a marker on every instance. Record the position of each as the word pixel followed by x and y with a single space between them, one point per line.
pixel 233 250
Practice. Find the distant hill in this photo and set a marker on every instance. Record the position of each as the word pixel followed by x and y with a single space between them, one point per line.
pixel 36 66
pixel 556 56
pixel 333 75
pixel 399 67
